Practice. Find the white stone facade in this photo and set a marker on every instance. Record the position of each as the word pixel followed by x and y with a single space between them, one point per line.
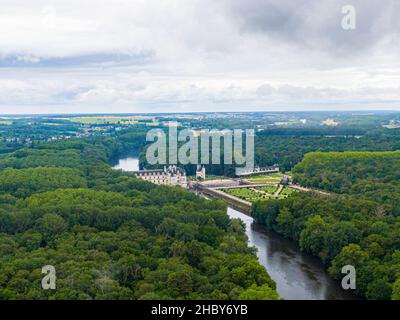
pixel 171 176
pixel 201 173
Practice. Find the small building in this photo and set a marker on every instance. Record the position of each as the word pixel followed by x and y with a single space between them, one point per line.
pixel 260 170
pixel 170 176
pixel 285 180
pixel 201 173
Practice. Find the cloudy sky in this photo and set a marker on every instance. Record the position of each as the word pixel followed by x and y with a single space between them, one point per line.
pixel 88 56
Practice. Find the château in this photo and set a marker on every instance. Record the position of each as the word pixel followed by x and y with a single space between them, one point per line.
pixel 171 176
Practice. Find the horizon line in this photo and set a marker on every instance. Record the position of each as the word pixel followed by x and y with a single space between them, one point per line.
pixel 194 112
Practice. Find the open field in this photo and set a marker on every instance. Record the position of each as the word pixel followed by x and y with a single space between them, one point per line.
pixel 267 178
pixel 123 120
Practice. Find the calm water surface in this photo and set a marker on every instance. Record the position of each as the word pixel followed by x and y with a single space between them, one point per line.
pixel 128 164
pixel 298 276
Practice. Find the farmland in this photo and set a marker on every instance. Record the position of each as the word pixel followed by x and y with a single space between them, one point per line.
pixel 121 120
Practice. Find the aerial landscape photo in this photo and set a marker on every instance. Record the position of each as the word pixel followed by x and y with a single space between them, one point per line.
pixel 215 153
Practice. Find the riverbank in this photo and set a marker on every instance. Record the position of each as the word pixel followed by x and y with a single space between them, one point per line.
pixel 299 276
pixel 234 202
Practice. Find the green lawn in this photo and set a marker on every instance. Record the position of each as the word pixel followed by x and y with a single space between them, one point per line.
pixel 268 189
pixel 244 193
pixel 287 191
pixel 273 178
pixel 250 195
pixel 247 194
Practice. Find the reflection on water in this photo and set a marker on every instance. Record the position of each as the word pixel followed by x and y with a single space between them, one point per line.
pixel 128 164
pixel 298 276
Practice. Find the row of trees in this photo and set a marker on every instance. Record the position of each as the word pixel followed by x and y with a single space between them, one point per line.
pixel 288 148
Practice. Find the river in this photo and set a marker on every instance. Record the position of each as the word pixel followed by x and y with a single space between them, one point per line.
pixel 128 164
pixel 298 276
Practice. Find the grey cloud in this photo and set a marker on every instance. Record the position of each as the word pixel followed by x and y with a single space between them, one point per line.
pixel 311 94
pixel 317 24
pixel 199 54
pixel 87 60
pixel 296 92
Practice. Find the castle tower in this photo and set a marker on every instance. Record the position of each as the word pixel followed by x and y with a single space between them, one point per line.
pixel 201 173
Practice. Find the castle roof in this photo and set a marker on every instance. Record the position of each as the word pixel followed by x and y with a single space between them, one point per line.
pixel 172 170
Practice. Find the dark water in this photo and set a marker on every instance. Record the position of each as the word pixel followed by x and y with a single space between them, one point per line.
pixel 298 275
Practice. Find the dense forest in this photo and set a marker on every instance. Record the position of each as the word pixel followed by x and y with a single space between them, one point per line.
pixel 370 175
pixel 288 147
pixel 357 224
pixel 112 236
